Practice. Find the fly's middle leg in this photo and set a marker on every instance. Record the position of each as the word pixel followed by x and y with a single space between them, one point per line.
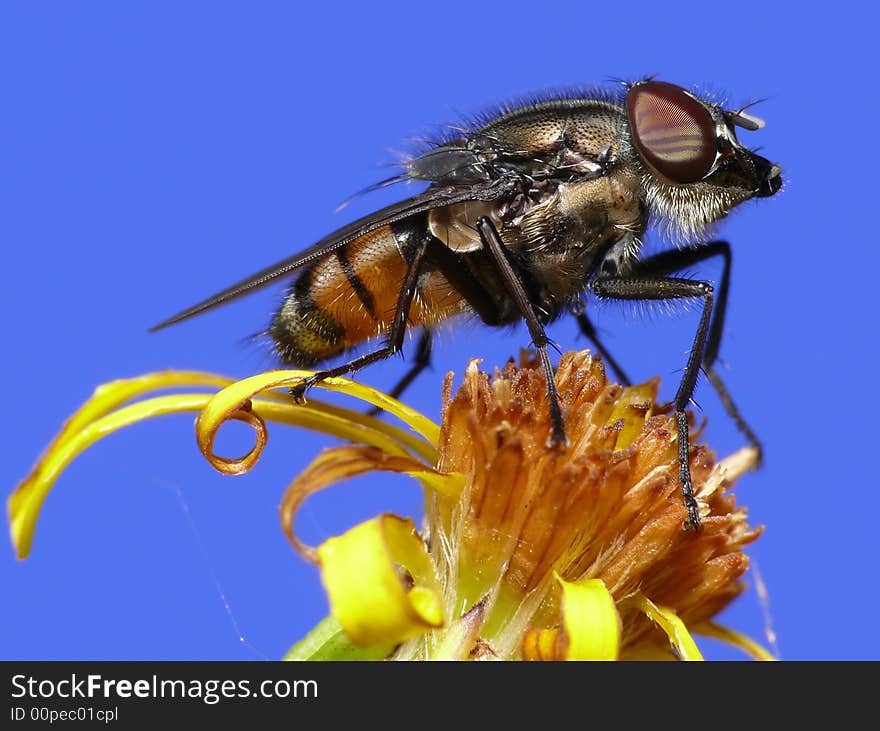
pixel 495 246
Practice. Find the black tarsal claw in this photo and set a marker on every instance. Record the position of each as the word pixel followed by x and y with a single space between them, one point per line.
pixel 693 520
pixel 298 392
pixel 558 440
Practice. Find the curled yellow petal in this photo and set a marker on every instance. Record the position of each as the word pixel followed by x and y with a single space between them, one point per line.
pixel 667 620
pixel 590 619
pixel 106 411
pixel 342 463
pixel 237 398
pixel 633 408
pixel 737 639
pixel 380 582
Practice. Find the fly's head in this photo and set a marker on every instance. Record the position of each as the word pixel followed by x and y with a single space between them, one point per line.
pixel 693 168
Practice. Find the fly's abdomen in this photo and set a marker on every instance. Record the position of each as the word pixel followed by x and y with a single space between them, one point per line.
pixel 350 295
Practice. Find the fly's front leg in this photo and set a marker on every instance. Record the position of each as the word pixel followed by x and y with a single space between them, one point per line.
pixel 675 260
pixel 636 288
pixel 394 342
pixel 495 246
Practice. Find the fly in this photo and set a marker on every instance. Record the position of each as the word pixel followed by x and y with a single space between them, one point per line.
pixel 523 215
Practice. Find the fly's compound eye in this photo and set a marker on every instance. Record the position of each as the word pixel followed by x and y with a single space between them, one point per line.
pixel 672 131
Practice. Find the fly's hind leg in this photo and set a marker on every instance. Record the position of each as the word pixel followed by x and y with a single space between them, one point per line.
pixel 394 342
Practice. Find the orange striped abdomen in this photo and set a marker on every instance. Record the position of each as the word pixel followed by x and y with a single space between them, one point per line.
pixel 349 295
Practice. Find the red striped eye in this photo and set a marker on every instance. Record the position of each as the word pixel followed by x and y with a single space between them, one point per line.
pixel 673 132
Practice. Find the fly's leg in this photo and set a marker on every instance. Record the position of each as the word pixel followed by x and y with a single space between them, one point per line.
pixel 495 246
pixel 422 361
pixel 587 328
pixel 675 260
pixel 662 288
pixel 440 257
pixel 394 342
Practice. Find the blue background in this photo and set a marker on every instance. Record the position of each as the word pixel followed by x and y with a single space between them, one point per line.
pixel 153 153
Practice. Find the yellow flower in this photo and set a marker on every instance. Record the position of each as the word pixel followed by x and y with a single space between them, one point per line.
pixel 525 552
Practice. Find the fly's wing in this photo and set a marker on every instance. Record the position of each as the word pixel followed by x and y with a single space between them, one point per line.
pixel 434 197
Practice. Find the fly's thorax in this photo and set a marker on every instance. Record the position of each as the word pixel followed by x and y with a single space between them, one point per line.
pixel 577 128
pixel 561 240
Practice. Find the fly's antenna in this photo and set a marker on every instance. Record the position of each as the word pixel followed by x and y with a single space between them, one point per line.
pixel 747 121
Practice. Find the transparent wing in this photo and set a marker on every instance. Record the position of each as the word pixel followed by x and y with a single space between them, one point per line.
pixel 434 197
